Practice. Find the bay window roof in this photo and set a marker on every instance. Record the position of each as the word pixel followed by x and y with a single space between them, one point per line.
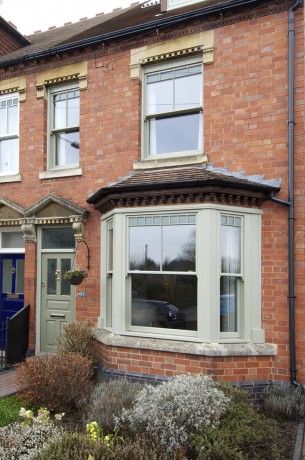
pixel 182 185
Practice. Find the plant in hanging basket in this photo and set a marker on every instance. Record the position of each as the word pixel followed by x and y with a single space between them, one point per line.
pixel 75 276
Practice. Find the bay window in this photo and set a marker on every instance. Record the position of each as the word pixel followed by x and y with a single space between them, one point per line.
pixel 9 134
pixel 187 274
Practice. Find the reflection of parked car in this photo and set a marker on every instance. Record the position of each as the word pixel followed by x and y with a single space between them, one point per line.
pixel 155 313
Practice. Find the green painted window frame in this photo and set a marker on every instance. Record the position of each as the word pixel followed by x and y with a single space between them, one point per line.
pixel 51 160
pixel 208 234
pixel 198 109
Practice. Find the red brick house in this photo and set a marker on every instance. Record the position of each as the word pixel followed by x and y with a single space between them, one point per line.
pixel 166 140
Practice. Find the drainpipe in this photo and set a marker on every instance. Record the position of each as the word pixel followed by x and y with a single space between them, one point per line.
pixel 291 193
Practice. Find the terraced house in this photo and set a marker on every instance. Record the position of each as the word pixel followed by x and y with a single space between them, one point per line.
pixel 164 141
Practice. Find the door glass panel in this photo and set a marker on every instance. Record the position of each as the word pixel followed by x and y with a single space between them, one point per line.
pixel 51 277
pixel 65 288
pixel 58 238
pixel 12 240
pixel 20 276
pixel 7 276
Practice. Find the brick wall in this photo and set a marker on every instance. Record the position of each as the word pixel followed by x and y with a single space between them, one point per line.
pixel 245 107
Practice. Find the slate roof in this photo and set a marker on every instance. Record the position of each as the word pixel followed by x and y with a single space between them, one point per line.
pixel 188 176
pixel 101 24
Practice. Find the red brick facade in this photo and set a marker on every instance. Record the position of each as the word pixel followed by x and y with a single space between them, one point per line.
pixel 245 128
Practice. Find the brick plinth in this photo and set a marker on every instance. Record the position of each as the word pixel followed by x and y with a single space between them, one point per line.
pixel 159 363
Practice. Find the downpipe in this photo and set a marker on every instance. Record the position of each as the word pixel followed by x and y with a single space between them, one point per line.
pixel 290 203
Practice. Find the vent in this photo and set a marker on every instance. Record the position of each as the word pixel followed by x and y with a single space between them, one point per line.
pixel 173 4
pixel 151 3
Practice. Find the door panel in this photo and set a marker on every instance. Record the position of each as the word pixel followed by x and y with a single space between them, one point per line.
pixel 57 298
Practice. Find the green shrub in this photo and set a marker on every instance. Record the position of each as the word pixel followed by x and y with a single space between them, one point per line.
pixel 243 433
pixel 77 337
pixel 57 381
pixel 72 446
pixel 107 401
pixel 284 400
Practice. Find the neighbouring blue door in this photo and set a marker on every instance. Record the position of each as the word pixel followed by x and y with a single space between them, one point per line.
pixel 12 287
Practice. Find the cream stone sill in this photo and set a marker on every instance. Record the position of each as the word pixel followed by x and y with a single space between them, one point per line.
pixel 54 173
pixel 169 162
pixel 177 346
pixel 11 178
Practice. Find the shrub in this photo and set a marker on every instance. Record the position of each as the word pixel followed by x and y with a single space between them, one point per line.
pixel 172 411
pixel 73 446
pixel 77 337
pixel 22 442
pixel 58 381
pixel 284 400
pixel 108 399
pixel 243 433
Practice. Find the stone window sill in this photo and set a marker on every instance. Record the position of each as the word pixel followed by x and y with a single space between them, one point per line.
pixel 10 178
pixel 55 173
pixel 179 346
pixel 170 161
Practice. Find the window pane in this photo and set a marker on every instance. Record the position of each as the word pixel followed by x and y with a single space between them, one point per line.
pixel 188 92
pixel 73 110
pixel 67 149
pixel 109 301
pixel 3 121
pixel 228 304
pixel 179 248
pixel 12 240
pixel 58 238
pixel 7 276
pixel 65 287
pixel 110 249
pixel 20 276
pixel 52 278
pixel 175 134
pixel 145 248
pixel 60 109
pixel 230 249
pixel 12 116
pixel 160 97
pixel 9 156
pixel 166 301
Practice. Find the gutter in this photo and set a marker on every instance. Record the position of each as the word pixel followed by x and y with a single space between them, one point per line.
pixel 290 203
pixel 150 26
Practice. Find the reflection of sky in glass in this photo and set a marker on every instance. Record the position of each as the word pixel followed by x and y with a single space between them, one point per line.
pixel 179 247
pixel 145 248
pixel 177 253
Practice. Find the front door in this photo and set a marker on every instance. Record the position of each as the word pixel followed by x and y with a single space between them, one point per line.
pixel 12 287
pixel 57 298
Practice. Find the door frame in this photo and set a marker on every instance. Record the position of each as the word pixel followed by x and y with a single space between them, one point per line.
pixel 41 251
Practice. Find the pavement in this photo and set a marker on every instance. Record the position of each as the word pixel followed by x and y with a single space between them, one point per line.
pixel 7 382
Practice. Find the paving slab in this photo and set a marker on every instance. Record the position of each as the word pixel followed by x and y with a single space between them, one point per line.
pixel 8 385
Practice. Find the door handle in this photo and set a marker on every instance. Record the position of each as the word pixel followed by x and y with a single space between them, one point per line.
pixel 57 315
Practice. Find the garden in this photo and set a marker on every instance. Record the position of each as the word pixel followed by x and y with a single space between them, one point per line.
pixel 63 412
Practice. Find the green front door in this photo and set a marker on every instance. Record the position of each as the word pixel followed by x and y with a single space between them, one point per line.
pixel 57 298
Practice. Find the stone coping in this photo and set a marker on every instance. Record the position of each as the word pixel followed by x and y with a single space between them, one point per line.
pixel 180 346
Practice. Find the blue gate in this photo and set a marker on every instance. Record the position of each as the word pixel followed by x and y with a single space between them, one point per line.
pixel 11 288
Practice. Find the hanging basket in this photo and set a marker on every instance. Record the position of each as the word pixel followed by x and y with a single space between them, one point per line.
pixel 75 277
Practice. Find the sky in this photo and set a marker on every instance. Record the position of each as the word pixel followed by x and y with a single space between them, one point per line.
pixel 31 15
